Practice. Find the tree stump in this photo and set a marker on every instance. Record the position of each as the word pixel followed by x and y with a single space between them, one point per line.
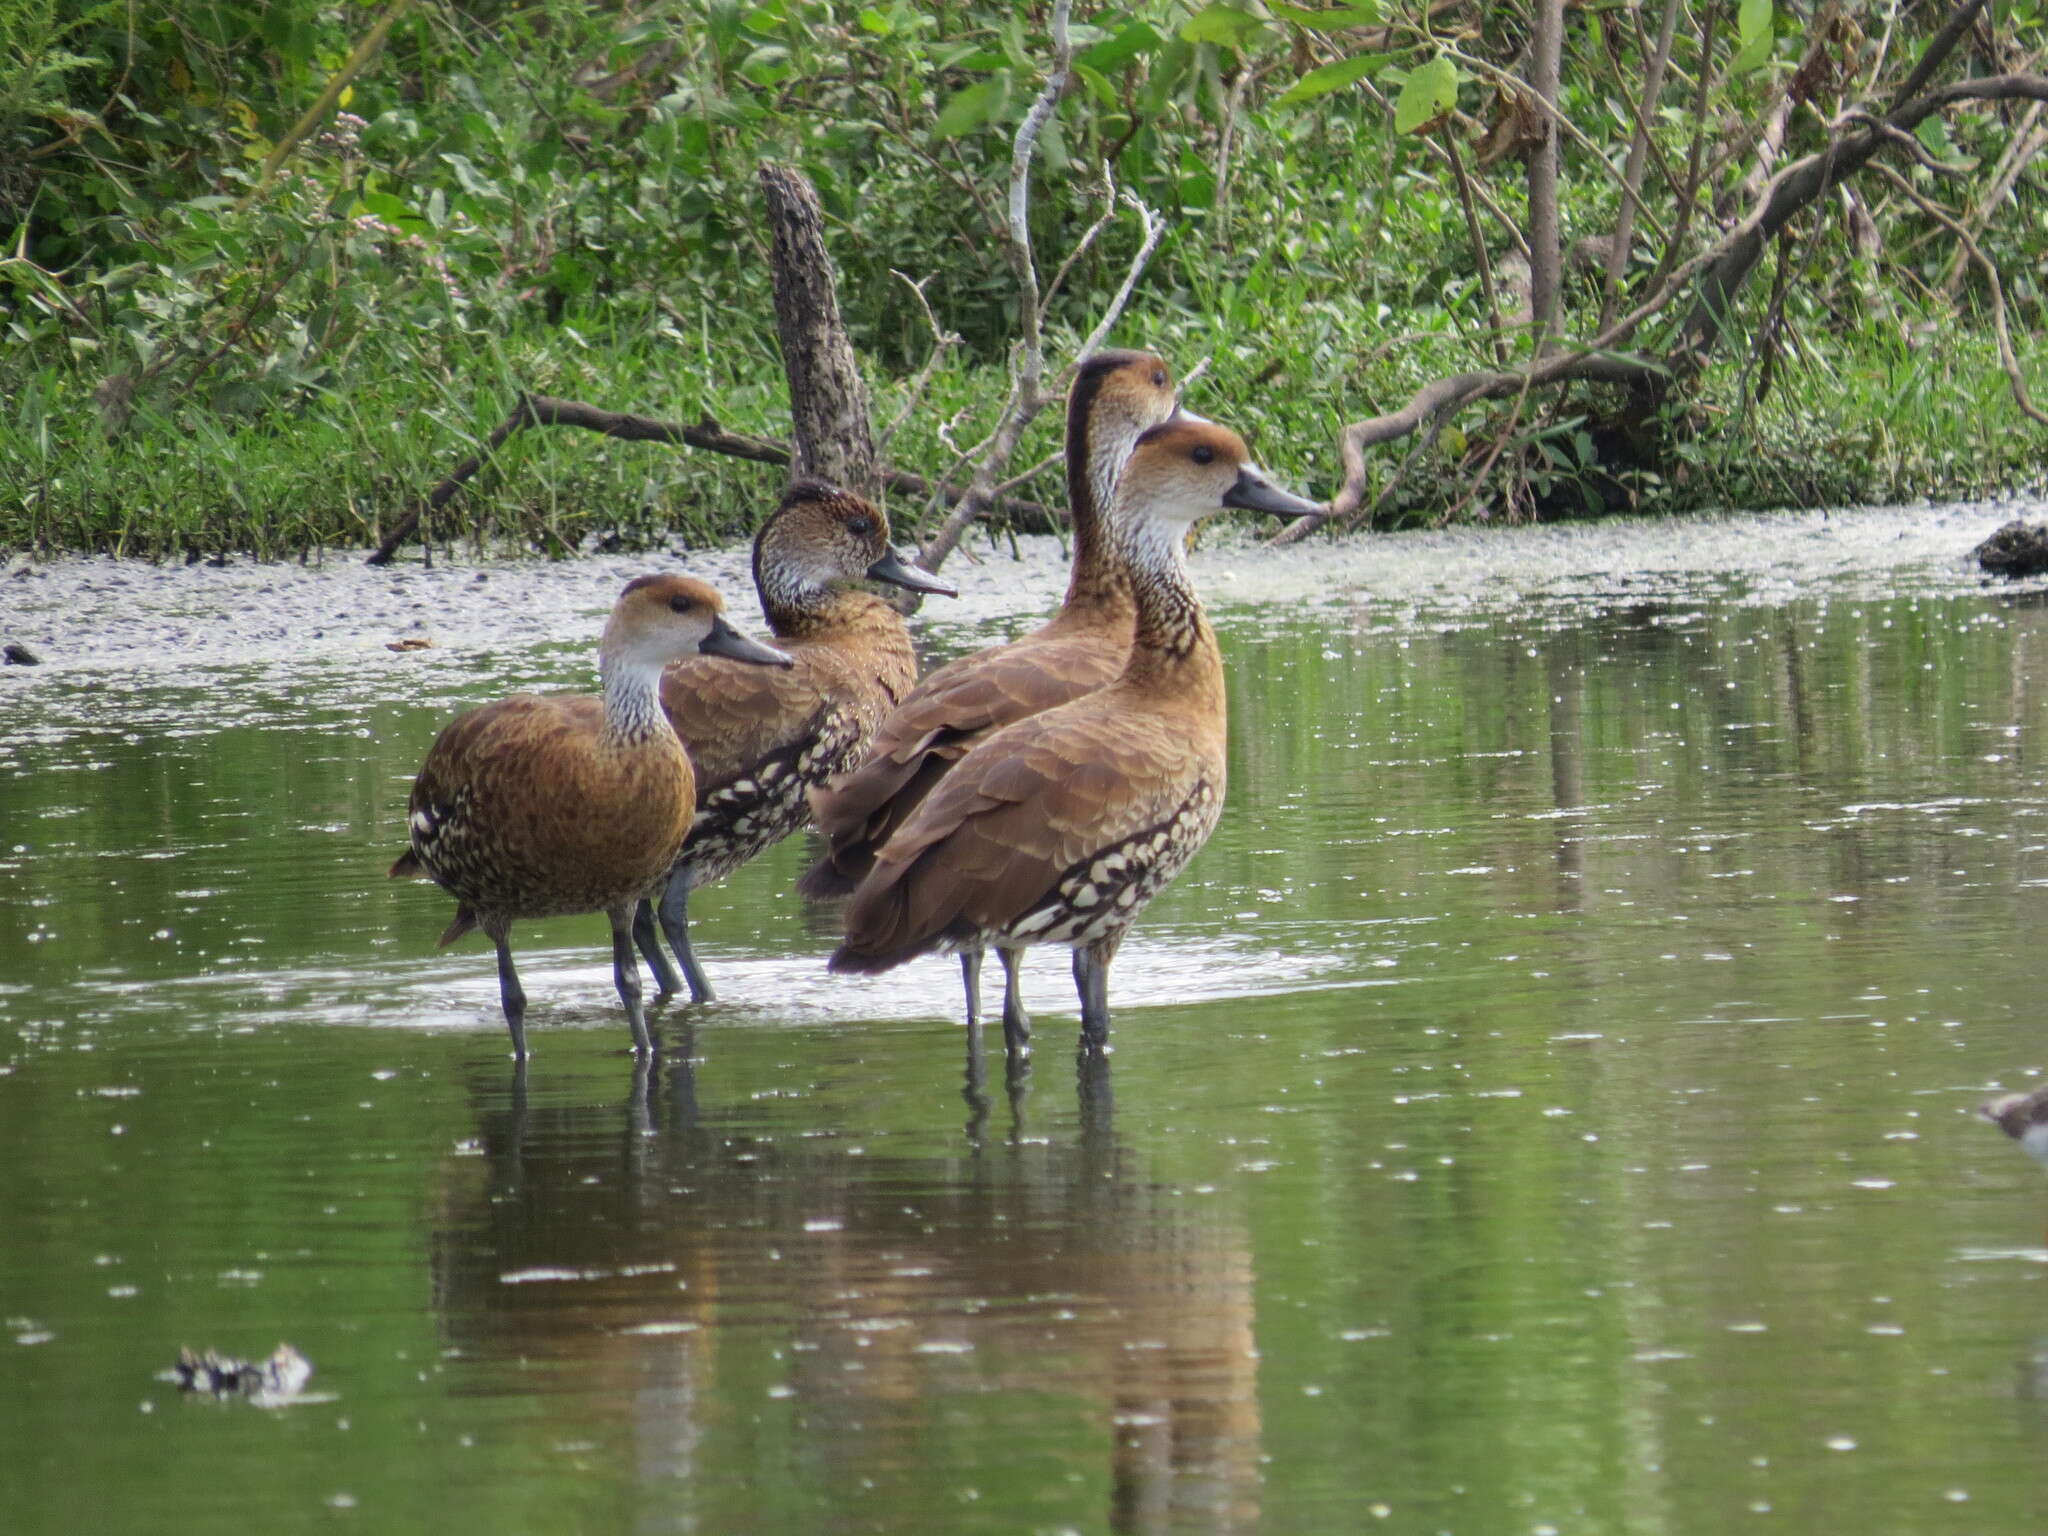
pixel 828 400
pixel 2017 549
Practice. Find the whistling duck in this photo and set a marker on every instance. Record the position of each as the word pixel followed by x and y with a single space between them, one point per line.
pixel 760 737
pixel 2023 1117
pixel 535 807
pixel 1115 396
pixel 1059 828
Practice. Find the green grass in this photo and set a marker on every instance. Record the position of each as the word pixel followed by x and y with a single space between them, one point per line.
pixel 1856 418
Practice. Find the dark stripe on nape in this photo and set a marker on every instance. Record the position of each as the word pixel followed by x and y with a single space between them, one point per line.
pixel 1080 406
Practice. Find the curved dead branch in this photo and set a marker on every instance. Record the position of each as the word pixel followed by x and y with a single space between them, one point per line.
pixel 1714 278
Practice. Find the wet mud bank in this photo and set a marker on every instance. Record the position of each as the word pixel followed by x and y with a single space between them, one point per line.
pixel 99 613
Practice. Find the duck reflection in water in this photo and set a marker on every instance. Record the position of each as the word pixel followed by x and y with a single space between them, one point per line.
pixel 682 1270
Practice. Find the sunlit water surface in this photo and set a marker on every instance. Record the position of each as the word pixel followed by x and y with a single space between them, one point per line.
pixel 1546 1105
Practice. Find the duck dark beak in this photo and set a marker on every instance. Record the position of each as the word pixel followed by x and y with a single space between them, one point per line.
pixel 892 567
pixel 724 640
pixel 1255 493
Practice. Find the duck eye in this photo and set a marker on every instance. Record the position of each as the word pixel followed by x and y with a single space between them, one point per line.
pixel 681 604
pixel 861 527
pixel 1204 453
pixel 1159 378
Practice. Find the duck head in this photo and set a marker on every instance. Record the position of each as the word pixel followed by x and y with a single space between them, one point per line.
pixel 822 536
pixel 659 619
pixel 1187 468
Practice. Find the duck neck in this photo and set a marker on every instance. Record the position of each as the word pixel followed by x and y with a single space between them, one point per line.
pixel 794 599
pixel 1174 648
pixel 800 610
pixel 1095 454
pixel 632 699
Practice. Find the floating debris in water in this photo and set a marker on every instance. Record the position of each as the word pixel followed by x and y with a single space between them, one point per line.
pixel 268 1384
pixel 2023 1117
pixel 2016 549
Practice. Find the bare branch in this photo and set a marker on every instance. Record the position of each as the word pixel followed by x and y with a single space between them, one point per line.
pixel 1638 162
pixel 706 434
pixel 1545 244
pixel 2026 144
pixel 1088 236
pixel 943 341
pixel 2007 358
pixel 1021 153
pixel 1939 47
pixel 1154 228
pixel 1027 394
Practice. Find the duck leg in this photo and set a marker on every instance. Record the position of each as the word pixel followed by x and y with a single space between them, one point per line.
pixel 665 983
pixel 970 979
pixel 626 976
pixel 1016 1022
pixel 1091 980
pixel 675 922
pixel 510 994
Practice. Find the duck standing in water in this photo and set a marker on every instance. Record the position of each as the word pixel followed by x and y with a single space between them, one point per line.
pixel 1115 396
pixel 759 738
pixel 1058 829
pixel 541 806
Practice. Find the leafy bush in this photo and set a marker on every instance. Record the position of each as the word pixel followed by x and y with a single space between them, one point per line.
pixel 221 334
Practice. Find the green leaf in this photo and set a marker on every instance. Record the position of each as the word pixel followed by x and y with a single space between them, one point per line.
pixel 1754 25
pixel 969 109
pixel 1098 86
pixel 1933 133
pixel 1127 44
pixel 872 20
pixel 1224 25
pixel 1164 77
pixel 1430 91
pixel 1330 77
pixel 1363 14
pixel 393 211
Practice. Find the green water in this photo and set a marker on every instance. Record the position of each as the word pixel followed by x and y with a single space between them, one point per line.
pixel 1546 1105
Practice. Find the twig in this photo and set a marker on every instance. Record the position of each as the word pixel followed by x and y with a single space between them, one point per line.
pixel 1496 343
pixel 706 434
pixel 2026 144
pixel 943 341
pixel 1028 394
pixel 337 83
pixel 1154 228
pixel 1638 162
pixel 1088 236
pixel 1721 270
pixel 2007 358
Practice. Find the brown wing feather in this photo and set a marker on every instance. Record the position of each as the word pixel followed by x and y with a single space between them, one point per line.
pixel 947 715
pixel 997 834
pixel 731 714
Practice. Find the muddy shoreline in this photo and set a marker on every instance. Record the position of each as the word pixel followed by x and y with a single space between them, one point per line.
pixel 97 613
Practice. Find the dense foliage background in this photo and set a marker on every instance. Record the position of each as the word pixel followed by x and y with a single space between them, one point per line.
pixel 221 333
